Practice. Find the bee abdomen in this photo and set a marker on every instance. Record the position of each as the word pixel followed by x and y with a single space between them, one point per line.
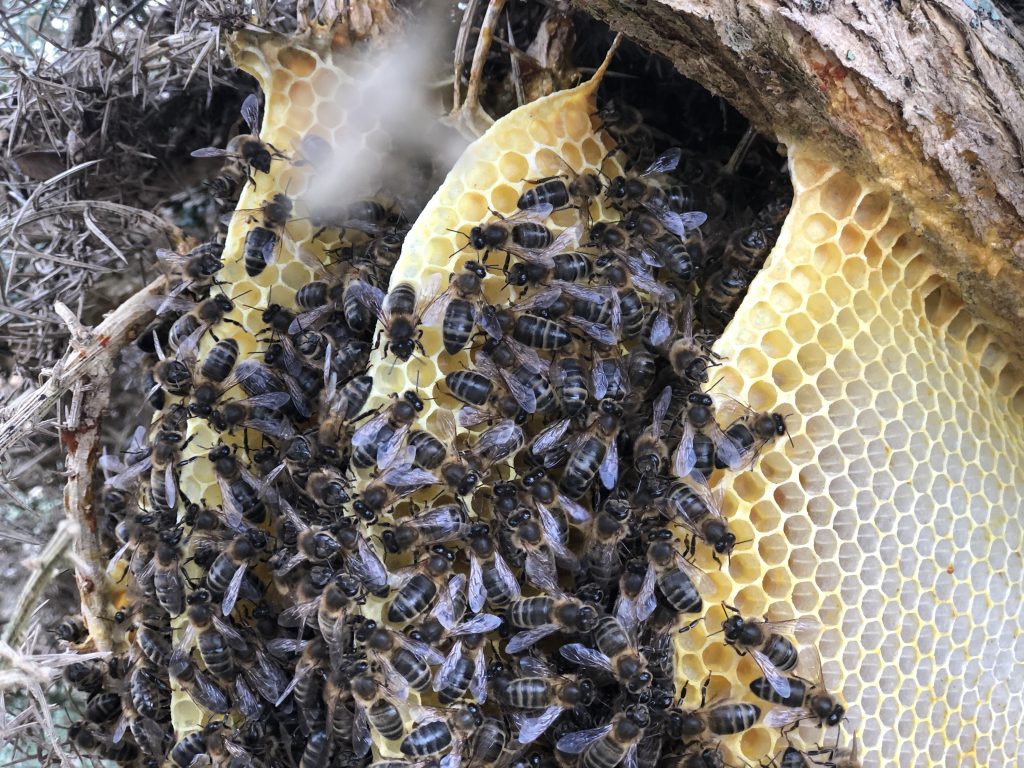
pixel 429 739
pixel 412 600
pixel 733 718
pixel 763 690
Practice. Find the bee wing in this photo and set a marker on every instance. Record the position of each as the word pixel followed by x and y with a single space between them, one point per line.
pixel 701 581
pixel 541 299
pixel 230 634
pixel 480 624
pixel 272 400
pixel 281 430
pixel 522 393
pixel 584 292
pixel 599 379
pixel 211 152
pixel 422 650
pixel 209 695
pixel 123 479
pixel 540 569
pixel 232 513
pixel 574 743
pixel 609 469
pixel 486 317
pixel 366 566
pixel 444 610
pixel 523 640
pixel 538 214
pixel 408 477
pixel 532 728
pixel 469 416
pixel 448 522
pixel 248 705
pixel 231 593
pixel 631 760
pixel 577 653
pixel 643 280
pixel 602 334
pixel 531 666
pixel 119 729
pixel 567 239
pixel 251 113
pixel 448 673
pixel 428 293
pixel 661 405
pixel 576 512
pixel 646 600
pixel 285 646
pixel 476 592
pixel 396 685
pixel 693 219
pixel 389 450
pixel 370 296
pixel 307 319
pixel 508 578
pixel 686 457
pixel 478 683
pixel 361 738
pixel 434 314
pixel 298 614
pixel 775 678
pixel 661 329
pixel 783 717
pixel 499 442
pixel 727 450
pixel 666 162
pixel 368 430
pixel 527 356
pixel 793 627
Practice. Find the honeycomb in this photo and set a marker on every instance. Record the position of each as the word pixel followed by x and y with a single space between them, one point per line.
pixel 892 514
pixel 895 514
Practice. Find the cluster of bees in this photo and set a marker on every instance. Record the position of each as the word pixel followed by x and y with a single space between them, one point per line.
pixel 521 578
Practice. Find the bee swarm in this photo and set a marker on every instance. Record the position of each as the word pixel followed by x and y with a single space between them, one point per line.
pixel 494 537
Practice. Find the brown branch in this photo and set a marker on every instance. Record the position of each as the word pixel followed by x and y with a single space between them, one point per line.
pixel 86 370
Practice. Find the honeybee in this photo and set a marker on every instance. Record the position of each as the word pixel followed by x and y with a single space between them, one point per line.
pixel 502 362
pixel 524 236
pixel 635 601
pixel 594 452
pixel 256 154
pixel 563 190
pixel 439 731
pixel 681 582
pixel 544 695
pixel 420 585
pixel 683 257
pixel 543 615
pixel 539 537
pixel 207 694
pixel 699 418
pixel 616 654
pixel 751 431
pixel 396 480
pixel 374 706
pixel 399 312
pixel 807 700
pixel 768 644
pixel 387 430
pixel 198 267
pixel 637 189
pixel 699 512
pixel 721 718
pixel 465 666
pixel 611 744
pixel 626 126
pixel 226 576
pixel 405 662
pixel 650 453
pixel 438 525
pixel 491 581
pixel 462 307
pixel 214 637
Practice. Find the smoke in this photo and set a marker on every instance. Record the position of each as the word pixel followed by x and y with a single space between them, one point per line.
pixel 388 139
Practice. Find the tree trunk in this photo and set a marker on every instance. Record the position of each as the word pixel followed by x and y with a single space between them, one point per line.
pixel 925 97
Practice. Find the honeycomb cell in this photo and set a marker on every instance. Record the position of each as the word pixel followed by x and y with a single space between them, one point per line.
pixel 818 228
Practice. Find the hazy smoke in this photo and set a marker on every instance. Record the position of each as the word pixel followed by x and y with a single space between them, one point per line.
pixel 388 138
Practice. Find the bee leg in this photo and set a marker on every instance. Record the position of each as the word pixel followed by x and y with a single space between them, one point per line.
pixel 704 691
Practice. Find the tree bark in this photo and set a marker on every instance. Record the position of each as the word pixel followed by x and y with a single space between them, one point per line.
pixel 923 95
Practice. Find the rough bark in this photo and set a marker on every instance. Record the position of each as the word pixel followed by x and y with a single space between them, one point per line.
pixel 925 96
